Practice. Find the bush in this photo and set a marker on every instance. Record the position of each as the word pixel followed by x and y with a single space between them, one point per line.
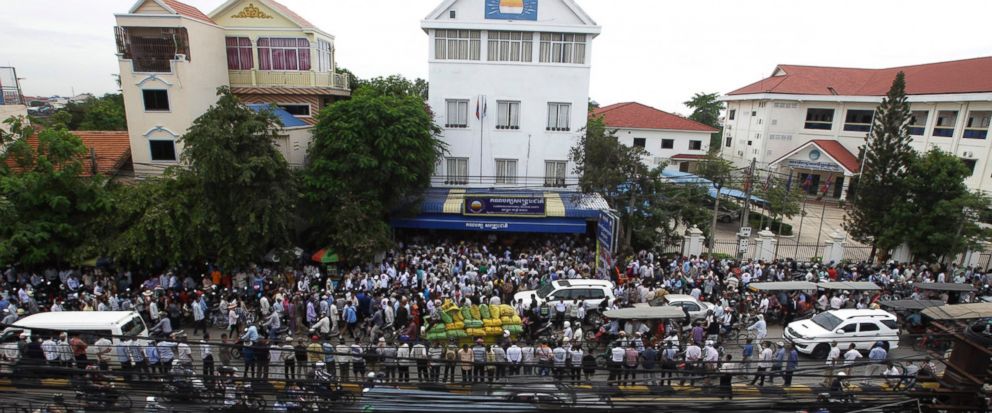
pixel 755 219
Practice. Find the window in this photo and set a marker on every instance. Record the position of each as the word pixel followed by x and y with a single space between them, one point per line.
pixel 457 171
pixel 506 171
pixel 977 126
pixel 749 143
pixel 822 119
pixel 297 110
pixel 563 48
pixel 457 114
pixel 667 143
pixel 945 123
pixel 558 116
pixel 858 120
pixel 640 142
pixel 163 150
pixel 152 49
pixel 283 54
pixel 754 113
pixel 457 44
pixel 918 122
pixel 684 167
pixel 508 115
pixel 891 324
pixel 511 46
pixel 554 173
pixel 729 141
pixel 970 163
pixel 867 327
pixel 239 54
pixel 850 328
pixel 325 56
pixel 695 145
pixel 156 100
pixel 733 112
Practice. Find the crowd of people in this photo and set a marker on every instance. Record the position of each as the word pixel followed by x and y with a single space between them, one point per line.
pixel 282 321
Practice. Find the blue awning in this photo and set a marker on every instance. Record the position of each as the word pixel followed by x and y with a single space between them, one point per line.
pixel 463 223
pixel 685 178
pixel 287 119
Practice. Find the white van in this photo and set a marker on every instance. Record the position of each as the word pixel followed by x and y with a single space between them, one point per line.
pixel 91 325
pixel 590 292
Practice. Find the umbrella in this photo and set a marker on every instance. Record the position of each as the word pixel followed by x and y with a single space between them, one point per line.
pixel 325 256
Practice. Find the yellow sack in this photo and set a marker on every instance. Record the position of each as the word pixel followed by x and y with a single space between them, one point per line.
pixel 506 320
pixel 506 310
pixel 515 320
pixel 476 315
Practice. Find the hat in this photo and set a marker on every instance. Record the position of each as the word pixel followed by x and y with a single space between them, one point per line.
pixel 232 305
pixel 147 293
pixel 780 344
pixel 314 338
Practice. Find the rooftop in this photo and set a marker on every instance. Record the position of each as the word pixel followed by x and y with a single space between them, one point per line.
pixel 111 150
pixel 639 116
pixel 958 76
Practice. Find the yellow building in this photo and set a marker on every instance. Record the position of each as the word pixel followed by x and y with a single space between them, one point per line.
pixel 173 57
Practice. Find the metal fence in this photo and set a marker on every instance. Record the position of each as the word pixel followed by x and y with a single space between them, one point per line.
pixel 857 253
pixel 800 251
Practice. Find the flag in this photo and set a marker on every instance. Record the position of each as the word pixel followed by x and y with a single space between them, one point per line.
pixel 788 184
pixel 768 181
pixel 808 182
pixel 826 185
pixel 480 108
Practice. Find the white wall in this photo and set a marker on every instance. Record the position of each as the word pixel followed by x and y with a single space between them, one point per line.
pixel 776 130
pixel 192 88
pixel 653 140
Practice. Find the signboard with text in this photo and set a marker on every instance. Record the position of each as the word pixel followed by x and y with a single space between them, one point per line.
pixel 606 237
pixel 505 206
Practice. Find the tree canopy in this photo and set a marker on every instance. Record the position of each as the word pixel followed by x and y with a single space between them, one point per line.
pixel 372 155
pixel 650 209
pixel 706 108
pixel 881 186
pixel 46 202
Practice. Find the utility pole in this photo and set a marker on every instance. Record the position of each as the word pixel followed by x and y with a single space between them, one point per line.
pixel 746 216
pixel 717 184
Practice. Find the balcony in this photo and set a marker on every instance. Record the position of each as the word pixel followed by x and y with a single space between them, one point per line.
pixel 272 78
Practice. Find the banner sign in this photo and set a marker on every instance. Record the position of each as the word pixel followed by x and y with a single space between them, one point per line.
pixel 606 241
pixel 816 166
pixel 534 207
pixel 511 9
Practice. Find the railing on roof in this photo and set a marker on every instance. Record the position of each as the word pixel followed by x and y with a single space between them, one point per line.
pixel 279 78
pixel 10 87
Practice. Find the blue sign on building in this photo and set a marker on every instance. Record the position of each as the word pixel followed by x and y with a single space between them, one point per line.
pixel 505 206
pixel 511 9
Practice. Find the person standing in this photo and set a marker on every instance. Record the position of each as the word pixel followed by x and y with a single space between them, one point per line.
pixel 419 354
pixel 649 360
pixel 499 355
pixel 263 355
pixel 832 358
pixel 764 363
pixel 514 355
pixel 154 362
pixel 103 349
pixel 850 358
pixel 527 358
pixel 630 359
pixel 288 355
pixel 136 353
pixel 668 364
pixel 560 356
pixel 777 360
pixel 435 354
pixel 747 355
pixel 615 364
pixel 693 355
pixel 728 369
pixel 876 358
pixel 791 363
pixel 450 358
pixel 78 347
pixel 575 362
pixel 344 362
pixel 465 358
pixel 403 363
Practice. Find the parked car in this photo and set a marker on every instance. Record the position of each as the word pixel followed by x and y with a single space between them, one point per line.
pixel 697 309
pixel 864 328
pixel 592 293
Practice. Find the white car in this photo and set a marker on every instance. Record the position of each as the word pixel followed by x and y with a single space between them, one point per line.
pixel 697 309
pixel 592 293
pixel 864 328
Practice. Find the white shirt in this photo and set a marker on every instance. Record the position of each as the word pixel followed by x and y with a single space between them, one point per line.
pixel 765 359
pixel 851 356
pixel 513 354
pixel 833 355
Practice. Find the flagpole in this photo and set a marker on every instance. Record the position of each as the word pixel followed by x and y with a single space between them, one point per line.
pixel 479 111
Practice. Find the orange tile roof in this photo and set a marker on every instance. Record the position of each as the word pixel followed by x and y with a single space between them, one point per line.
pixel 112 150
pixel 189 11
pixel 639 116
pixel 959 76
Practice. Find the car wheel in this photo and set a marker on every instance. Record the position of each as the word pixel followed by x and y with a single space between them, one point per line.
pixel 820 351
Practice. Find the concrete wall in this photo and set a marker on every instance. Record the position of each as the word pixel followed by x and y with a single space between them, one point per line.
pixel 654 138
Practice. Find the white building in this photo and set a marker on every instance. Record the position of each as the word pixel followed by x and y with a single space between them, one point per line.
pixel 667 138
pixel 810 121
pixel 173 57
pixel 509 84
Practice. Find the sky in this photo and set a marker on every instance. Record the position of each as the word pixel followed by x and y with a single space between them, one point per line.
pixel 657 52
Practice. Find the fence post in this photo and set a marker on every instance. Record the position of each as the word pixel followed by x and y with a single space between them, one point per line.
pixel 766 245
pixel 834 249
pixel 693 244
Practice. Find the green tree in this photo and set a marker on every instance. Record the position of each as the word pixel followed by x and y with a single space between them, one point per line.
pixel 372 155
pixel 353 81
pixel 706 109
pixel 248 190
pixel 718 171
pixel 649 208
pixel 938 216
pixel 45 201
pixel 783 200
pixel 395 85
pixel 106 113
pixel 881 187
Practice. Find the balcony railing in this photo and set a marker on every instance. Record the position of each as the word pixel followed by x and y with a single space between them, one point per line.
pixel 263 78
